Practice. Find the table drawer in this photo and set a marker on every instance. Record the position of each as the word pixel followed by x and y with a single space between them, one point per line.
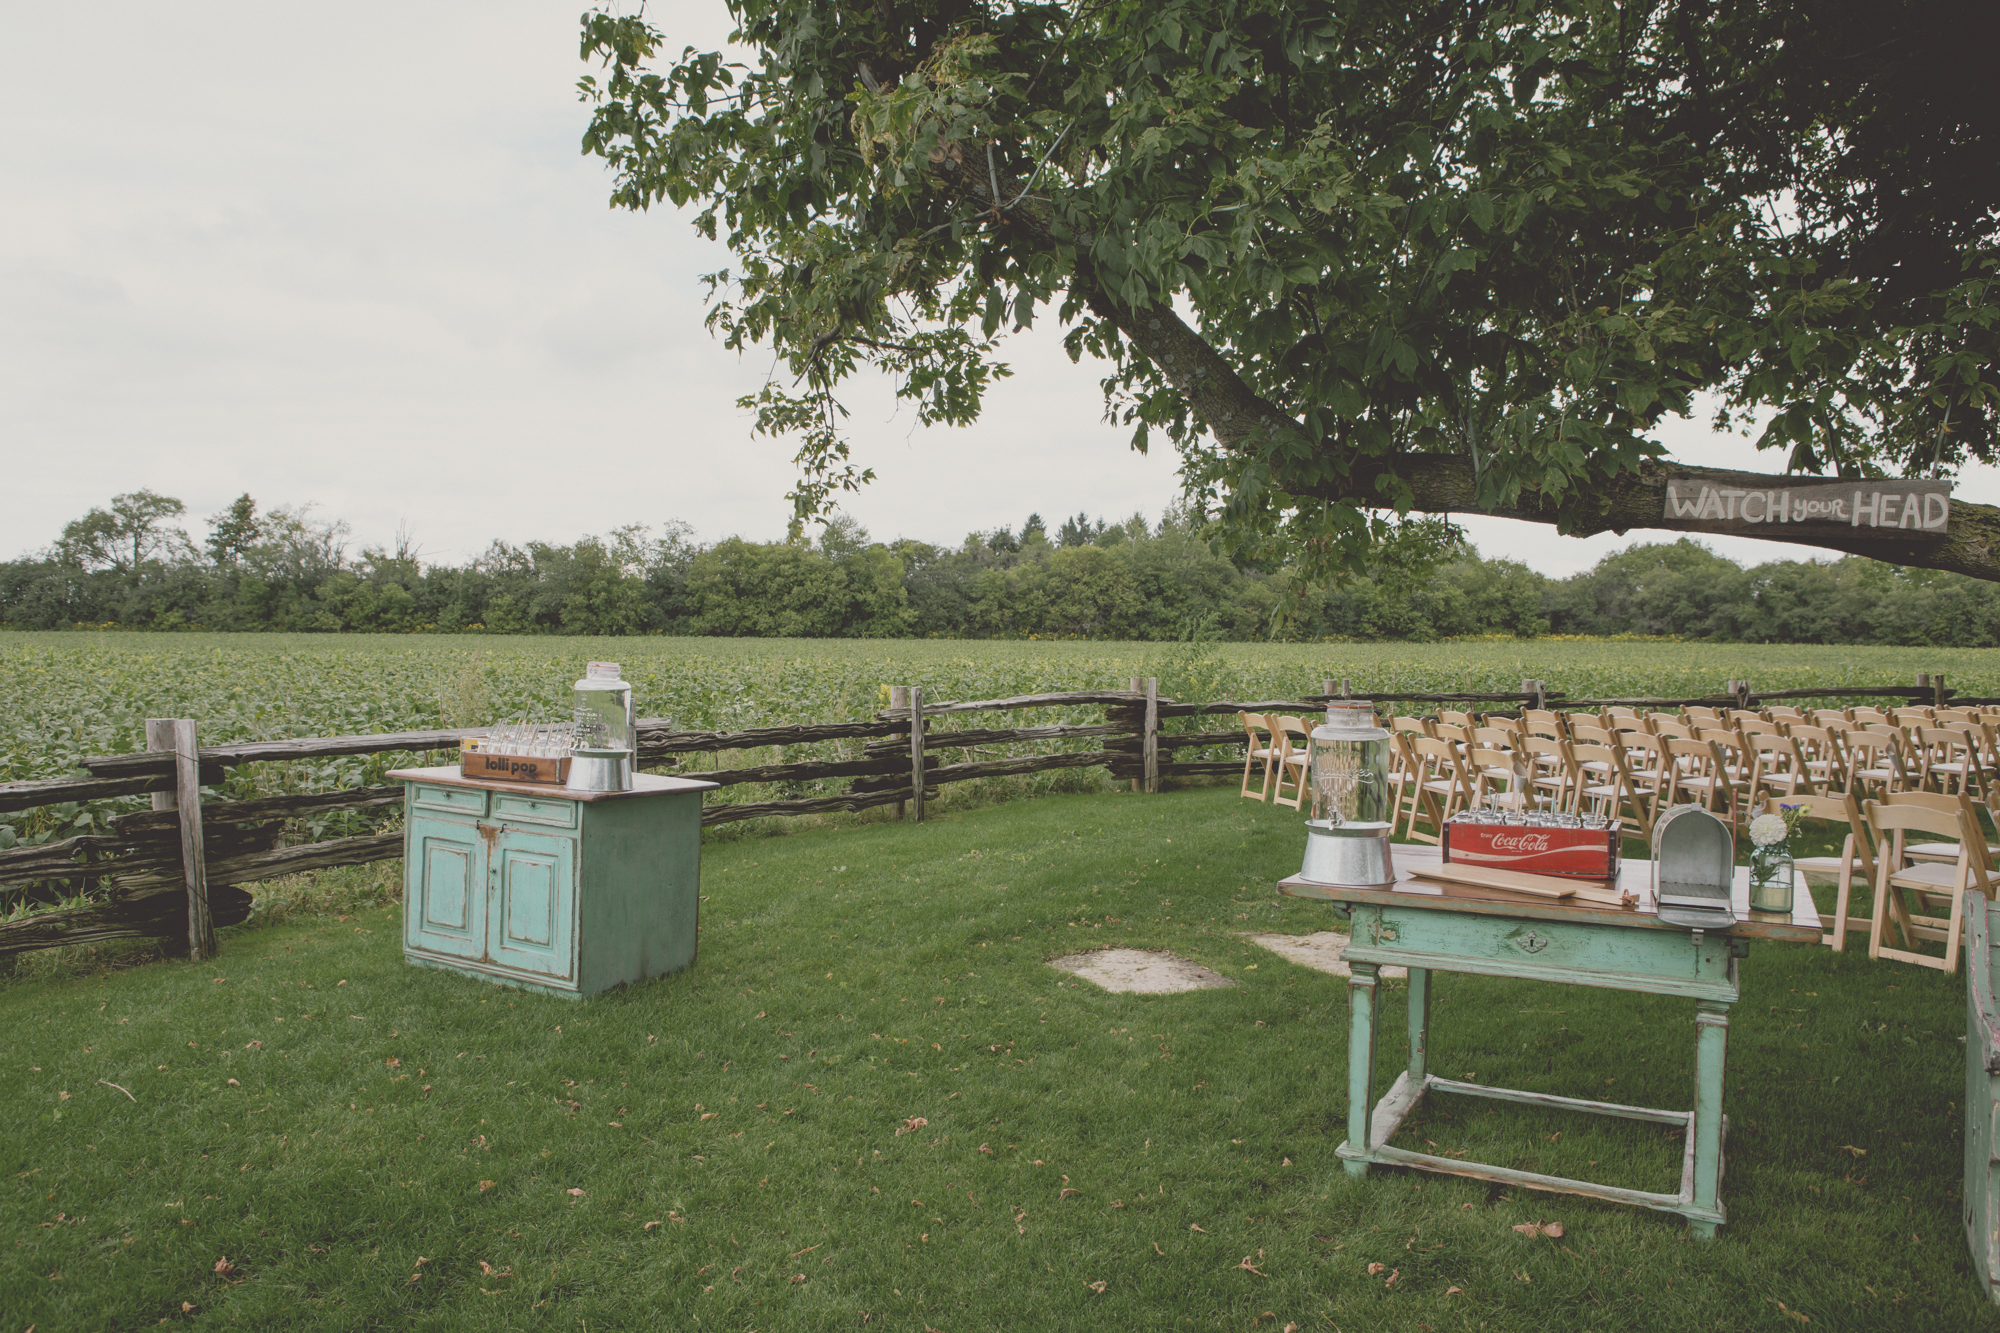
pixel 463 800
pixel 534 810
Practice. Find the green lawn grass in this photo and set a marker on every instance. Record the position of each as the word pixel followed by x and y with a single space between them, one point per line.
pixel 370 1145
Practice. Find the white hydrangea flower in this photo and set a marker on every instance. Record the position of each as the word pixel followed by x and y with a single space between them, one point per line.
pixel 1767 830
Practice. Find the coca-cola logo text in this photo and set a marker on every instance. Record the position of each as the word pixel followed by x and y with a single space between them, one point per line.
pixel 1520 842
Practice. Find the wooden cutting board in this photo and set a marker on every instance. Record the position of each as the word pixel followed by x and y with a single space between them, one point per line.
pixel 1558 891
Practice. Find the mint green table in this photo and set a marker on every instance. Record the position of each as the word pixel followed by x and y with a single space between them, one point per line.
pixel 1417 926
pixel 566 892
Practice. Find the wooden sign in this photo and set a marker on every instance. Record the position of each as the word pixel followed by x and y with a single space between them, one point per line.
pixel 1911 508
pixel 493 767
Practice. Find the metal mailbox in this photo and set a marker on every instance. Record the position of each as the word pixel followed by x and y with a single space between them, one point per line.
pixel 1694 865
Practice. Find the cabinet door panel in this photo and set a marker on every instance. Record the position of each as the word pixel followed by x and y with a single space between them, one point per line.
pixel 445 890
pixel 533 924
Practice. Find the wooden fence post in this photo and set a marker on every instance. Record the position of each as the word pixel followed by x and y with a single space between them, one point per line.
pixel 1136 685
pixel 194 861
pixel 1344 691
pixel 1938 689
pixel 899 697
pixel 917 752
pixel 1151 744
pixel 159 738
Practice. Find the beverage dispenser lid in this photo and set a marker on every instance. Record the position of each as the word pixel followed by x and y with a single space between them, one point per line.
pixel 601 671
pixel 1350 719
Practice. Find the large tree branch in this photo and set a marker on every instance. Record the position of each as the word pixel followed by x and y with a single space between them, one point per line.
pixel 1237 416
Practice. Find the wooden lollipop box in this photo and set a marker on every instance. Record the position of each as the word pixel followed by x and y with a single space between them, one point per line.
pixel 491 766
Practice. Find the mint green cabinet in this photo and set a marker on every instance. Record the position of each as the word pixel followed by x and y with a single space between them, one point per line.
pixel 571 893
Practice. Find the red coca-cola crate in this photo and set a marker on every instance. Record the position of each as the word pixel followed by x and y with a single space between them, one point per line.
pixel 1540 849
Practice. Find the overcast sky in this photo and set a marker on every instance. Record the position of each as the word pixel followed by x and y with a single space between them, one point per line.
pixel 350 255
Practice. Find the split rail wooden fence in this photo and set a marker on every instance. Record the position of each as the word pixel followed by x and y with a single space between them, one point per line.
pixel 176 870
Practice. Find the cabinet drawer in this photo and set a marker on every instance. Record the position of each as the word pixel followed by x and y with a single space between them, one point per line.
pixel 465 801
pixel 534 810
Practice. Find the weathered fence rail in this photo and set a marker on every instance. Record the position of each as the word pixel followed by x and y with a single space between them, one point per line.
pixel 179 866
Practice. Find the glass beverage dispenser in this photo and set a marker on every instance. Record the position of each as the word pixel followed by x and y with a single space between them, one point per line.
pixel 606 737
pixel 1347 837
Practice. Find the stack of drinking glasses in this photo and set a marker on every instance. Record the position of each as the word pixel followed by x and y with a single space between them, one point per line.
pixel 531 740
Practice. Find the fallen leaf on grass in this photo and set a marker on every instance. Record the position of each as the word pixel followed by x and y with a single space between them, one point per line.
pixel 1850 1148
pixel 911 1125
pixel 224 1267
pixel 232 1083
pixel 1067 1192
pixel 490 1271
pixel 798 1277
pixel 1196 1226
pixel 1157 1250
pixel 988 1151
pixel 1098 1287
pixel 649 1226
pixel 187 1307
pixel 1249 1267
pixel 1394 1273
pixel 1373 1269
pixel 1454 1291
pixel 576 1194
pixel 485 1185
pixel 1553 1230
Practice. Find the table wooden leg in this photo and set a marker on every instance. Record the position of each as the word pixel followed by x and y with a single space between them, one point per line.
pixel 1360 1062
pixel 1420 1023
pixel 1711 1049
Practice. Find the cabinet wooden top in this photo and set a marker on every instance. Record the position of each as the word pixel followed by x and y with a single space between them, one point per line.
pixel 643 784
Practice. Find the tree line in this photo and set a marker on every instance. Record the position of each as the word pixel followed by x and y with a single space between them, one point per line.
pixel 130 566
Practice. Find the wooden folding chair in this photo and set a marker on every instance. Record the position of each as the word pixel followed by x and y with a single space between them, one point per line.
pixel 1826 717
pixel 1698 717
pixel 1607 787
pixel 1698 771
pixel 1552 772
pixel 1293 759
pixel 1952 759
pixel 1441 789
pixel 1944 803
pixel 1663 724
pixel 1777 766
pixel 1819 748
pixel 1448 717
pixel 1736 768
pixel 1875 762
pixel 1784 713
pixel 1910 894
pixel 1496 780
pixel 1258 750
pixel 1646 763
pixel 1543 722
pixel 1855 861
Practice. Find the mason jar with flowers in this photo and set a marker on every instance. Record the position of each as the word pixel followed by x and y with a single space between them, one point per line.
pixel 1771 876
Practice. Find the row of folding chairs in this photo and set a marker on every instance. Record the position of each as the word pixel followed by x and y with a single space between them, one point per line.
pixel 1918 851
pixel 1728 764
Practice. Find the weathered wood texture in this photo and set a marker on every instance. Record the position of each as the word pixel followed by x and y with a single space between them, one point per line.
pixel 729 814
pixel 194 859
pixel 55 791
pixel 917 753
pixel 656 741
pixel 971 737
pixel 936 774
pixel 1070 697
